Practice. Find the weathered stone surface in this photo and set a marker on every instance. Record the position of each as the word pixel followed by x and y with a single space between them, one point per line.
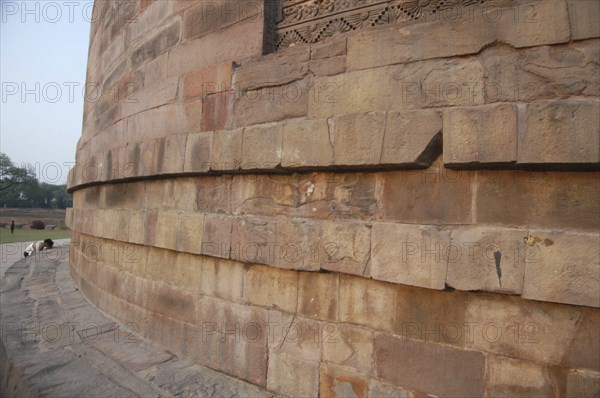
pixel 582 18
pixel 585 351
pixel 436 195
pixel 189 232
pixel 209 79
pixel 337 382
pixel 474 28
pixel 365 302
pixel 561 132
pixel 198 149
pixel 564 267
pixel 253 240
pixel 272 287
pixel 157 45
pixel 583 384
pixel 349 345
pixel 424 314
pixel 408 136
pixel 204 18
pixel 318 296
pixel 166 229
pixel 227 150
pixel 351 144
pixel 216 111
pixel 297 336
pixel 410 254
pixel 382 389
pixel 221 278
pixel 489 259
pixel 510 377
pixel 541 72
pixel 261 146
pixel 272 70
pixel 417 85
pixel 332 47
pixel 328 66
pixel 345 247
pixel 520 328
pixel 272 104
pixel 213 194
pixel 297 245
pixel 151 95
pixel 481 135
pixel 216 238
pixel 558 200
pixel 150 16
pixel 238 41
pixel 306 143
pixel 168 159
pixel 431 368
pixel 283 370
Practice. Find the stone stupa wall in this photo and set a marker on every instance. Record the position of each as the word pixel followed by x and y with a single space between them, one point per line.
pixel 413 186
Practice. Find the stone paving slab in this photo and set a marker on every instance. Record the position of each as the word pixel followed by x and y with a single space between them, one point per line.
pixel 46 352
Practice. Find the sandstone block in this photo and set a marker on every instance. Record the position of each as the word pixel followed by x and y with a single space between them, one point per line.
pixel 166 230
pixel 150 227
pixel 585 351
pixel 559 200
pixel 520 328
pixel 217 111
pixel 306 143
pixel 520 25
pixel 150 16
pixel 238 41
pixel 429 315
pixel 206 17
pixel 351 146
pixel 261 146
pixel 172 302
pixel 349 345
pixel 253 240
pixel 297 245
pixel 337 382
pixel 272 287
pixel 272 70
pixel 411 137
pixel 450 371
pixel 345 247
pixel 489 259
pixel 561 132
pixel 583 384
pixel 318 296
pixel 296 336
pixel 216 238
pixel 272 104
pixel 151 95
pixel 410 254
pixel 366 302
pixel 417 85
pixel 157 45
pixel 209 79
pixel 198 150
pixel 423 196
pixel 283 372
pixel 332 47
pixel 189 233
pixel 226 151
pixel 483 134
pixel 221 278
pixel 213 194
pixel 328 66
pixel 582 18
pixel 563 268
pixel 510 377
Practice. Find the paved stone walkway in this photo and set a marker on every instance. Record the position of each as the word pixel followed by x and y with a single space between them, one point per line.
pixel 56 344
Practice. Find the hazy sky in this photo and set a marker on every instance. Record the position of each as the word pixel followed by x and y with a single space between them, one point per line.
pixel 43 50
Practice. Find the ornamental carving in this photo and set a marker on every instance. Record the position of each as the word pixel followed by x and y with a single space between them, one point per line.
pixel 310 21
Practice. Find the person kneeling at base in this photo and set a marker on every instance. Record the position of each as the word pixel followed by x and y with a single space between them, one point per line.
pixel 38 246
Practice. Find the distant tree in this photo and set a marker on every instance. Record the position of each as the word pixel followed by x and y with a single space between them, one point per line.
pixel 11 175
pixel 20 188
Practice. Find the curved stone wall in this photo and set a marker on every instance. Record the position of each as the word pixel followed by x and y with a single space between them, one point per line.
pixel 405 207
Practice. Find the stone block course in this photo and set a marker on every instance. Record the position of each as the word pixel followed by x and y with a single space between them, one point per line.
pixel 480 135
pixel 410 254
pixel 261 146
pixel 365 303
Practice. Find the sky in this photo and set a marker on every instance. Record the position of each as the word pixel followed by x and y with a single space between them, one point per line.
pixel 43 59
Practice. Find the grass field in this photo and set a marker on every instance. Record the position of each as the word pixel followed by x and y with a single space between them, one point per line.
pixel 26 216
pixel 30 235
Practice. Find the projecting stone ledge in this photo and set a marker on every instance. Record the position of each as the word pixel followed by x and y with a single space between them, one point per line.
pixel 55 343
